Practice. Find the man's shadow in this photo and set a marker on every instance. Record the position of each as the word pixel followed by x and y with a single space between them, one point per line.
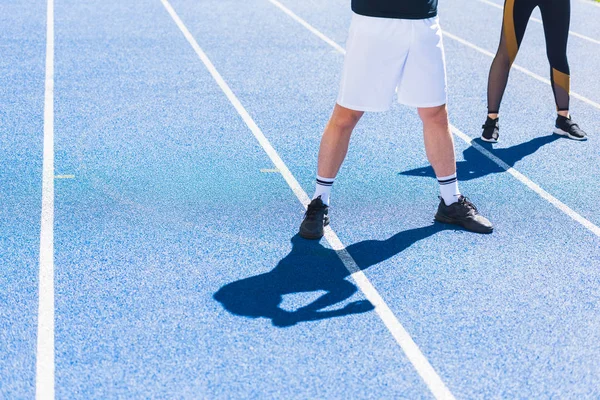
pixel 476 165
pixel 310 267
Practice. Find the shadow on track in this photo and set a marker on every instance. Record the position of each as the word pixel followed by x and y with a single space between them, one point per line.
pixel 310 267
pixel 476 165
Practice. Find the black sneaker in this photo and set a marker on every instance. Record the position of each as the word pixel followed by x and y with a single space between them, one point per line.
pixel 315 219
pixel 566 127
pixel 491 130
pixel 465 214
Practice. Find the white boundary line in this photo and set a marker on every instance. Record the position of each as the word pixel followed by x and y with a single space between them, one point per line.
pixel 590 2
pixel 579 35
pixel 44 381
pixel 519 68
pixel 403 338
pixel 528 182
pixel 309 27
pixel 522 178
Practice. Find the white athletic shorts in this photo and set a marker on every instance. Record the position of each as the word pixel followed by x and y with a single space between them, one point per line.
pixel 385 55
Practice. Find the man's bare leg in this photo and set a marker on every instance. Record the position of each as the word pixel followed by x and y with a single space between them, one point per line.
pixel 439 144
pixel 334 147
pixel 439 147
pixel 332 152
pixel 335 140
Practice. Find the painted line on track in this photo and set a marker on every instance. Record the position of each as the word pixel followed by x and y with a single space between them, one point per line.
pixel 590 2
pixel 528 182
pixel 519 68
pixel 44 379
pixel 309 27
pixel 467 139
pixel 579 35
pixel 402 337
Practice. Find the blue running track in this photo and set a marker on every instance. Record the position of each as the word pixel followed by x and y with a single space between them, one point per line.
pixel 177 269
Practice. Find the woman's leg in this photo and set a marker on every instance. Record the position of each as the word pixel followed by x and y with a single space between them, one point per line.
pixel 556 15
pixel 516 17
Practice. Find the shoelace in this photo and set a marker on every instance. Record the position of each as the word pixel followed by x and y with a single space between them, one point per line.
pixel 469 205
pixel 311 210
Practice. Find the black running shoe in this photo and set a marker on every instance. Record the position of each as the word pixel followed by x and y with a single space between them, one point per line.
pixel 491 130
pixel 465 214
pixel 315 219
pixel 566 127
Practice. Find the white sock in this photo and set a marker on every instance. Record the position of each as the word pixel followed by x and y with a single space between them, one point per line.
pixel 323 188
pixel 449 188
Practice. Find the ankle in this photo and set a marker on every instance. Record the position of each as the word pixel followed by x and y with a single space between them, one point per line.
pixel 323 189
pixel 449 188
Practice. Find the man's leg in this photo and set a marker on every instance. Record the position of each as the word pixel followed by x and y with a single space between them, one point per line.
pixel 334 147
pixel 376 51
pixel 332 152
pixel 439 146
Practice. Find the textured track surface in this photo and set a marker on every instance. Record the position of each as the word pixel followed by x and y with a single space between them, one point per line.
pixel 178 270
pixel 22 51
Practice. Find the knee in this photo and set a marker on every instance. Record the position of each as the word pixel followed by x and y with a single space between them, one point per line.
pixel 504 59
pixel 434 115
pixel 345 119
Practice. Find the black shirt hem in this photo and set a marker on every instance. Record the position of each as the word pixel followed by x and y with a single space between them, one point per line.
pixel 395 15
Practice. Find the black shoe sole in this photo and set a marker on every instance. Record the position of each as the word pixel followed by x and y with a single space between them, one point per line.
pixel 560 132
pixel 490 140
pixel 446 220
pixel 311 236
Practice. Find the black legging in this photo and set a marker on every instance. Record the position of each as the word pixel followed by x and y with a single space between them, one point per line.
pixel 556 15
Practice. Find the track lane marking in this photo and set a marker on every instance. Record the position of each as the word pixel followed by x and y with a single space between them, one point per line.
pixel 498 161
pixel 308 26
pixel 402 337
pixel 44 380
pixel 527 182
pixel 539 21
pixel 590 2
pixel 519 68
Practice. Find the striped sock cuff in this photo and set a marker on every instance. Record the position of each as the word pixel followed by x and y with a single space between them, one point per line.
pixel 324 181
pixel 447 180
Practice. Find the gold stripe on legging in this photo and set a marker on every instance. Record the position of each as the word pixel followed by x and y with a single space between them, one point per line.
pixel 561 79
pixel 510 35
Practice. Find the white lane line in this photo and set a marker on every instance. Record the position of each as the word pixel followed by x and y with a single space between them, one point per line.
pixel 528 182
pixel 44 380
pixel 403 338
pixel 519 68
pixel 590 2
pixel 579 35
pixel 309 27
pixel 522 178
